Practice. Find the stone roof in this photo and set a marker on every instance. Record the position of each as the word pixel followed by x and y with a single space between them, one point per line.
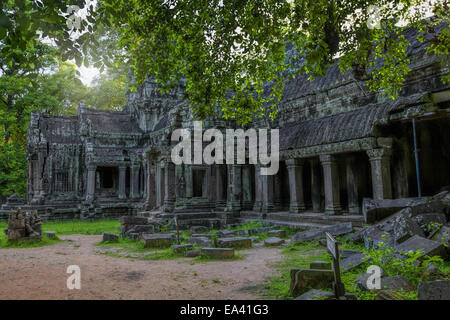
pixel 64 130
pixel 111 121
pixel 337 128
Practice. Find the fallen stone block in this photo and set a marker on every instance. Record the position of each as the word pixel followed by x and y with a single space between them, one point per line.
pixel 432 273
pixel 198 229
pixel 234 242
pixel 405 228
pixel 192 254
pixel 427 205
pixel 218 253
pixel 157 240
pixel 133 220
pixel 273 242
pixel 320 265
pixel 109 237
pixel 443 236
pixel 302 280
pixel 361 281
pixel 225 234
pixel 423 220
pixel 376 210
pixel 396 283
pixel 277 233
pixel 352 262
pixel 429 247
pixel 181 248
pixel 52 235
pixel 202 235
pixel 201 242
pixel 434 290
pixel 263 230
pixel 334 230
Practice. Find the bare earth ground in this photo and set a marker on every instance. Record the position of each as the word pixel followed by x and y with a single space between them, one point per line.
pixel 40 273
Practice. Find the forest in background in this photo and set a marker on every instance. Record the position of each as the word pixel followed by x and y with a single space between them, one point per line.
pixel 51 86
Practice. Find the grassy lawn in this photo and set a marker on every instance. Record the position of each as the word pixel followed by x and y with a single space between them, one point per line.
pixel 62 228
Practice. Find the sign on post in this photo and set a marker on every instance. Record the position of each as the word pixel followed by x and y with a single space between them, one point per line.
pixel 332 246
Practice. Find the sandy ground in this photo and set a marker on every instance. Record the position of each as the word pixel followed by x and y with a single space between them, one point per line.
pixel 40 273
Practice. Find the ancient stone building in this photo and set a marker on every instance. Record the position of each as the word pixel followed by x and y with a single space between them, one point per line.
pixel 339 143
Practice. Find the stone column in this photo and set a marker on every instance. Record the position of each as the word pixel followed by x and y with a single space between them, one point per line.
pixel 169 186
pixel 151 192
pixel 90 188
pixel 352 185
pixel 220 187
pixel 381 173
pixel 122 182
pixel 295 170
pixel 331 184
pixel 235 186
pixel 315 185
pixel 267 193
pixel 246 188
pixel 258 189
pixel 134 181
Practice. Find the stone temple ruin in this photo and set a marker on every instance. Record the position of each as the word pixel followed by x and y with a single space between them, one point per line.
pixel 23 225
pixel 339 144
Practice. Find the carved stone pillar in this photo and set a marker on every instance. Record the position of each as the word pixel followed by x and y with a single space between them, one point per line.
pixel 352 185
pixel 122 182
pixel 315 185
pixel 381 173
pixel 267 193
pixel 258 189
pixel 151 192
pixel 221 187
pixel 235 186
pixel 134 182
pixel 90 188
pixel 246 188
pixel 169 187
pixel 295 170
pixel 331 184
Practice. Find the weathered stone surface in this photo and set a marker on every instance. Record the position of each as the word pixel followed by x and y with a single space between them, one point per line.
pixel 192 253
pixel 376 210
pixel 273 242
pixel 302 280
pixel 405 228
pixel 181 248
pixel 202 235
pixel 443 236
pixel 396 283
pixel 24 225
pixel 263 230
pixel 198 229
pixel 315 294
pixel 361 280
pixel 109 237
pixel 429 247
pixel 201 242
pixel 225 234
pixel 277 233
pixel 133 220
pixel 432 273
pixel 434 290
pixel 157 240
pixel 218 253
pixel 351 262
pixel 423 220
pixel 235 242
pixel 50 234
pixel 334 230
pixel 321 265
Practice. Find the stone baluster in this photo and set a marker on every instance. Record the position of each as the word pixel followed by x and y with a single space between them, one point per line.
pixel 331 184
pixel 381 173
pixel 295 170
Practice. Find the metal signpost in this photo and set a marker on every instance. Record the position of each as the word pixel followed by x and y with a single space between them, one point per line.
pixel 338 286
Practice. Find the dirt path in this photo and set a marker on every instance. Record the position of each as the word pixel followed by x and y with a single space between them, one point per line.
pixel 40 273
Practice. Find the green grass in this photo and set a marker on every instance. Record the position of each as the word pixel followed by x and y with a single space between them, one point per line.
pixel 61 228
